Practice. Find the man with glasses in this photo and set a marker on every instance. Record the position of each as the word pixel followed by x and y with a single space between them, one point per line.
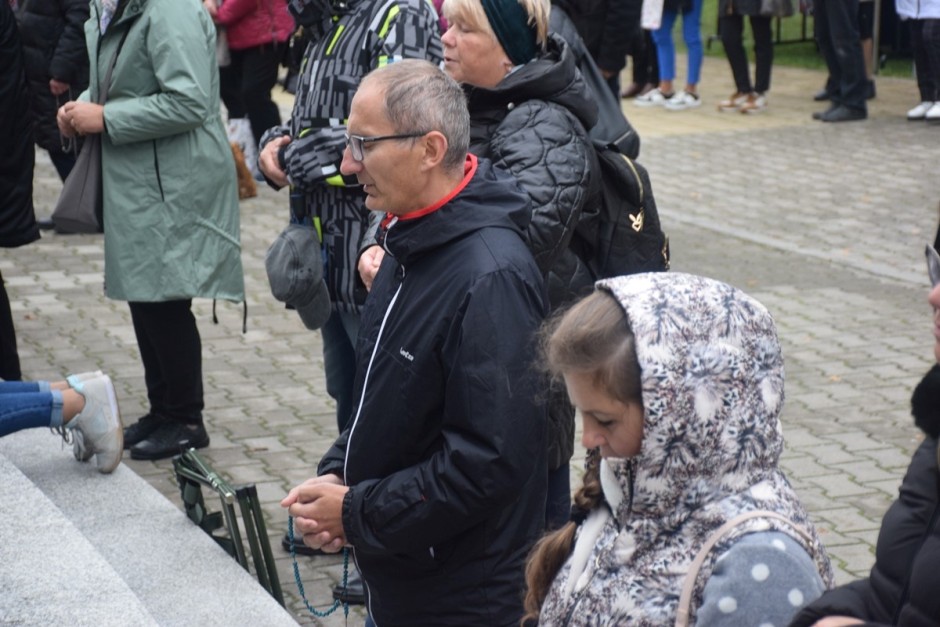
pixel 349 38
pixel 439 480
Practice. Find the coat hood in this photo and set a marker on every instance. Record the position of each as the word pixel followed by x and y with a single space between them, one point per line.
pixel 712 386
pixel 553 77
pixel 481 200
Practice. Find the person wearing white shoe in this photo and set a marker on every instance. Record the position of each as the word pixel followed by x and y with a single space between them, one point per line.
pixel 683 100
pixel 83 409
pixel 933 113
pixel 653 98
pixel 920 111
pixel 749 97
pixel 691 11
pixel 924 19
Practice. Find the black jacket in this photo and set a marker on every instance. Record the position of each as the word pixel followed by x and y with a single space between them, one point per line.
pixel 533 125
pixel 53 35
pixel 17 220
pixel 606 26
pixel 445 456
pixel 904 585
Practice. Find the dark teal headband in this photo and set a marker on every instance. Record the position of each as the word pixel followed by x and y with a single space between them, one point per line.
pixel 510 23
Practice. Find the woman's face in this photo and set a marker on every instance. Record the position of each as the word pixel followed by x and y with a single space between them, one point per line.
pixel 615 427
pixel 473 56
pixel 934 299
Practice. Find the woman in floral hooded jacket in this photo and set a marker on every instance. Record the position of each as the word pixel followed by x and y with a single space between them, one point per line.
pixel 679 382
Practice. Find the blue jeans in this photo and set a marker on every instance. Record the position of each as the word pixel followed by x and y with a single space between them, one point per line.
pixel 691 33
pixel 339 360
pixel 25 405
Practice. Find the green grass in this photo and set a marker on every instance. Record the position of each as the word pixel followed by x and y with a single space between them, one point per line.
pixel 794 44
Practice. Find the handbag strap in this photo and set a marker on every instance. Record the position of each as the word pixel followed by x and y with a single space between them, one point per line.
pixel 105 85
pixel 688 585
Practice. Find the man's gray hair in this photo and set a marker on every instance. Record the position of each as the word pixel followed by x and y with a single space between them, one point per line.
pixel 419 98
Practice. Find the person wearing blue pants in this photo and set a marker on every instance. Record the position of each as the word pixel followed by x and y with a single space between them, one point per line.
pixel 83 409
pixel 665 95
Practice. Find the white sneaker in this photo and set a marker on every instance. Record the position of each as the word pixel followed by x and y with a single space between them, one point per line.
pixel 920 111
pixel 683 100
pixel 933 114
pixel 99 423
pixel 79 450
pixel 755 104
pixel 652 98
pixel 733 102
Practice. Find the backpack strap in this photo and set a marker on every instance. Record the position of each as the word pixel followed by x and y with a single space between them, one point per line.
pixel 688 584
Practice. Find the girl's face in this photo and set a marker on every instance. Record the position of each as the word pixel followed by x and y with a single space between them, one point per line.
pixel 473 56
pixel 615 427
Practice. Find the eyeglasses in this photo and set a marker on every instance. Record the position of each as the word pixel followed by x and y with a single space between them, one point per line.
pixel 357 143
pixel 933 266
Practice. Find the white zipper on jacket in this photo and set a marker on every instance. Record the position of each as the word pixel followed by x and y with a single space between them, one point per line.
pixel 352 430
pixel 365 381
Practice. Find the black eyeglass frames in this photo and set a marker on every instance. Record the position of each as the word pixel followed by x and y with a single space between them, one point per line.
pixel 357 143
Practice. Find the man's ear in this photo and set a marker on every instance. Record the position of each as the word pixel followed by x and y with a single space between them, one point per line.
pixel 435 147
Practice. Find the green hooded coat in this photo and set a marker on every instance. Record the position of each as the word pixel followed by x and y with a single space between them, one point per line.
pixel 171 216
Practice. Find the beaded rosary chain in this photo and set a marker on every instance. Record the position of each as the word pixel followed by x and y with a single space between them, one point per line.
pixel 300 584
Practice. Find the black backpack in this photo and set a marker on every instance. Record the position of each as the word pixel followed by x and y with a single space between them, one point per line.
pixel 619 231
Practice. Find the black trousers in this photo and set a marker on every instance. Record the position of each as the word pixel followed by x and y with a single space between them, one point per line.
pixel 9 357
pixel 732 28
pixel 645 61
pixel 171 350
pixel 836 26
pixel 245 86
pixel 925 40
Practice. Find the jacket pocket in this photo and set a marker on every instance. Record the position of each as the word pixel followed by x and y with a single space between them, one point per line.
pixel 156 169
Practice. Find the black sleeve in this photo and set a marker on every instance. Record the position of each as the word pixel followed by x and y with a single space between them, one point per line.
pixel 70 56
pixel 622 20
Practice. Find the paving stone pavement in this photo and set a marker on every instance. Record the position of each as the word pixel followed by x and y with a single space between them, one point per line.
pixel 825 224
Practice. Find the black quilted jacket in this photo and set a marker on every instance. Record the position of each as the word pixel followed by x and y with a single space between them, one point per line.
pixel 533 125
pixel 17 221
pixel 53 35
pixel 904 585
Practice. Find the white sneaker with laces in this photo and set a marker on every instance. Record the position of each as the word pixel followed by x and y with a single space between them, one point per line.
pixel 652 98
pixel 920 111
pixel 79 450
pixel 683 100
pixel 99 423
pixel 933 113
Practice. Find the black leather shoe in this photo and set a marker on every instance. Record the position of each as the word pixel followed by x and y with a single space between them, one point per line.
pixel 818 115
pixel 299 547
pixel 170 438
pixel 46 224
pixel 355 593
pixel 822 94
pixel 843 114
pixel 140 430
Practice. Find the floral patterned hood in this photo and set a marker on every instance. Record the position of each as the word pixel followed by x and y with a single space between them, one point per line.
pixel 712 387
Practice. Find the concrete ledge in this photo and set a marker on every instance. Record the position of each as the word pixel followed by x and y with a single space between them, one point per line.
pixel 83 543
